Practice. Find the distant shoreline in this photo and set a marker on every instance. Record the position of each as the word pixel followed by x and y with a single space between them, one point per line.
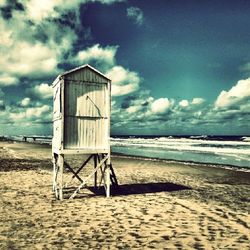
pixel 168 161
pixel 212 165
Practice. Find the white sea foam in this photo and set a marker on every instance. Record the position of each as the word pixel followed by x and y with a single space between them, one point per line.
pixel 187 145
pixel 197 149
pixel 246 139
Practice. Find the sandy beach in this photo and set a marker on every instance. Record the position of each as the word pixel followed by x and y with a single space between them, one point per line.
pixel 159 205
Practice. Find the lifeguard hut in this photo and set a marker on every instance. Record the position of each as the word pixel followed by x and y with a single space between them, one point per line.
pixel 81 125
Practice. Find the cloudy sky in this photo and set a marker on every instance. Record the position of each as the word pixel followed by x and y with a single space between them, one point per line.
pixel 177 67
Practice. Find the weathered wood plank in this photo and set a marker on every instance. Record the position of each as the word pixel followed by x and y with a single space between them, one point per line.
pixel 61 167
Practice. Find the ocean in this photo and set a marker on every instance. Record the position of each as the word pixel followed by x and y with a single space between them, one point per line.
pixel 231 151
pixel 226 151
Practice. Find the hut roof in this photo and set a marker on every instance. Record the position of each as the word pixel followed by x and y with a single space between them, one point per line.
pixel 79 68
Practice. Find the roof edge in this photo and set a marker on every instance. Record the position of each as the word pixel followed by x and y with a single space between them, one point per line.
pixel 81 67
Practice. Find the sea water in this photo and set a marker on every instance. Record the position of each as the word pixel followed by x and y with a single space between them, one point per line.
pixel 223 150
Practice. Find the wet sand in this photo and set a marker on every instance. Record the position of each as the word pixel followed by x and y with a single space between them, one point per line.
pixel 159 205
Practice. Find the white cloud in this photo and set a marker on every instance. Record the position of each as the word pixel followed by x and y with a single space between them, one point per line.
pixel 42 91
pixel 32 42
pixel 133 109
pixel 25 102
pixel 17 116
pixel 35 41
pixel 22 54
pixel 3 3
pixel 135 14
pixel 137 112
pixel 119 90
pixel 7 80
pixel 235 95
pixel 184 103
pixel 105 55
pixel 123 81
pixel 160 106
pixel 38 10
pixel 35 114
pixel 27 59
pixel 198 101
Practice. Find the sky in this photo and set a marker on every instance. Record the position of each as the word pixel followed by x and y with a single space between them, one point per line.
pixel 177 67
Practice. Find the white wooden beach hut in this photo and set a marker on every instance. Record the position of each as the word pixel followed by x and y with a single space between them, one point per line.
pixel 81 125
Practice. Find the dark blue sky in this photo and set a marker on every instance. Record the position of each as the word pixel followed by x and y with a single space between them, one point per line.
pixel 194 47
pixel 177 67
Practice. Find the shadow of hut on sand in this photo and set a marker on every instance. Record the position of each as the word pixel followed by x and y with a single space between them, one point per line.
pixel 140 188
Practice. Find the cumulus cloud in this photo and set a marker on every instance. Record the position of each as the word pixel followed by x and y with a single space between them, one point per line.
pixel 38 10
pixel 32 50
pixel 144 112
pixel 235 95
pixel 41 91
pixel 192 107
pixel 134 104
pixel 123 80
pixel 20 118
pixel 25 102
pixel 35 114
pixel 133 109
pixel 2 3
pixel 198 101
pixel 7 80
pixel 160 106
pixel 135 14
pixel 105 55
pixel 37 36
pixel 28 59
pixel 184 103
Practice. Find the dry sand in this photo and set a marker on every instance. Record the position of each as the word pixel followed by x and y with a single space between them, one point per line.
pixel 159 205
